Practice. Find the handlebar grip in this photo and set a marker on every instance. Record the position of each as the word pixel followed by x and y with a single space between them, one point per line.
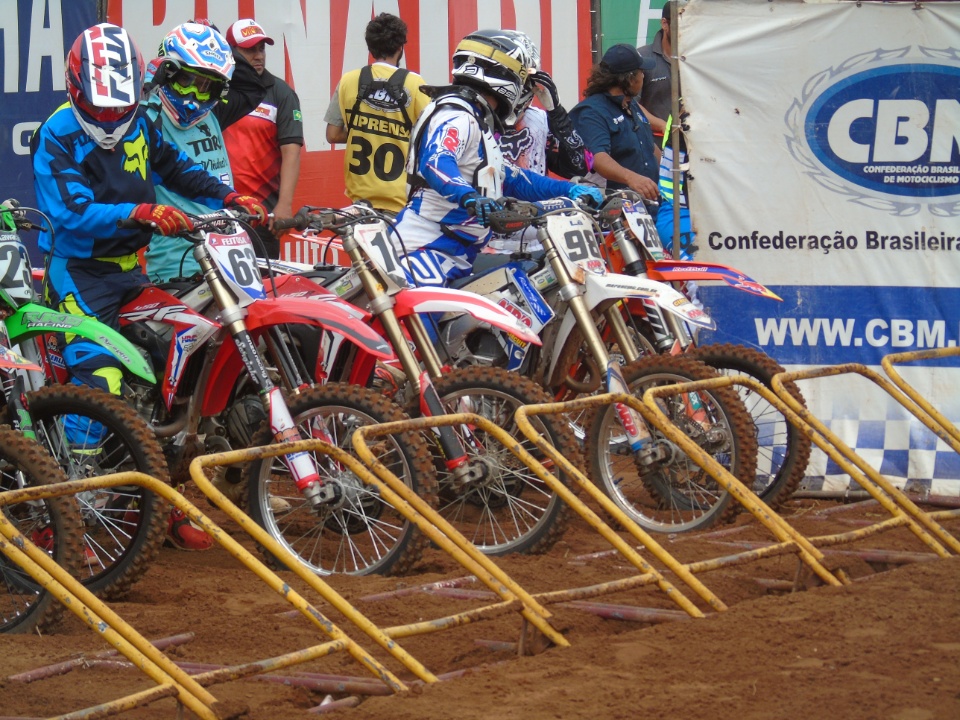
pixel 128 224
pixel 297 222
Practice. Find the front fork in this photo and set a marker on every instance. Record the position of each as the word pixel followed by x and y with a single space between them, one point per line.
pixel 300 464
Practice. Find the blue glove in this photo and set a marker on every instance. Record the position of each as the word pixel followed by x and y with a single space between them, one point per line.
pixel 591 194
pixel 480 207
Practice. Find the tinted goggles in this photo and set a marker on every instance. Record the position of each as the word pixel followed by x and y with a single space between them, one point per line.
pixel 190 82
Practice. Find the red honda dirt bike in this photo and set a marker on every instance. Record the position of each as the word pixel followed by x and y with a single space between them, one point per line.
pixel 230 380
pixel 492 498
pixel 634 248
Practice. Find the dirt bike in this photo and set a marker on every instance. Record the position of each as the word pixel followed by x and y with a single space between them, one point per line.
pixel 87 431
pixel 634 248
pixel 567 296
pixel 493 499
pixel 220 391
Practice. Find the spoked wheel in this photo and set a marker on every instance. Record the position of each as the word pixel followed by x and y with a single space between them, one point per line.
pixel 783 451
pixel 507 508
pixel 664 490
pixel 360 533
pixel 92 433
pixel 53 525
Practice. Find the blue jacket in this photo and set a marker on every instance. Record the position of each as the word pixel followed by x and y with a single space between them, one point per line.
pixel 85 190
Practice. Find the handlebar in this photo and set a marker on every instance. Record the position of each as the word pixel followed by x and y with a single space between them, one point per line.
pixel 333 219
pixel 214 220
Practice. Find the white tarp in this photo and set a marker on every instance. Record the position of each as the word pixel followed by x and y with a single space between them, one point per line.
pixel 825 156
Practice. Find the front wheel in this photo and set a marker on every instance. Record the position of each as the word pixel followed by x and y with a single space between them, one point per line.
pixel 661 488
pixel 92 433
pixel 359 533
pixel 53 525
pixel 507 509
pixel 783 450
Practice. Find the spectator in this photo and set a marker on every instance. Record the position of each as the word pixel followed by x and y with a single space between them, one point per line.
pixel 373 110
pixel 542 139
pixel 194 66
pixel 94 162
pixel 455 166
pixel 264 146
pixel 614 126
pixel 656 96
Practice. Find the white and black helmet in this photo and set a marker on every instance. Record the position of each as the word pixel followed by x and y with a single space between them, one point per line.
pixel 495 61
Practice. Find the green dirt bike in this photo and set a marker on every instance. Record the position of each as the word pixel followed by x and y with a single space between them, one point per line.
pixel 87 431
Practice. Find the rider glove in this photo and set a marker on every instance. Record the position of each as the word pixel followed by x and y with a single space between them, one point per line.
pixel 545 90
pixel 585 192
pixel 248 204
pixel 480 207
pixel 166 219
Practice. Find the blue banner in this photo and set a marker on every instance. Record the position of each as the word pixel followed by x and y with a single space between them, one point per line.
pixel 823 325
pixel 35 42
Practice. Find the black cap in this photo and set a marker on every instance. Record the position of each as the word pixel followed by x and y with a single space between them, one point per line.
pixel 624 58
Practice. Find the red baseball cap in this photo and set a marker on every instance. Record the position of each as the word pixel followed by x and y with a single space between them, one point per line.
pixel 246 33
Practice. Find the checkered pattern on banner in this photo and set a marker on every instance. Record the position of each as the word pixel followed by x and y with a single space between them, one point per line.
pixel 892 441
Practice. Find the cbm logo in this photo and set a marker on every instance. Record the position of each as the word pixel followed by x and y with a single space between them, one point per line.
pixel 883 128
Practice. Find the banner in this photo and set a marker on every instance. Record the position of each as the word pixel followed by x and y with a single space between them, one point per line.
pixel 37 34
pixel 629 21
pixel 825 157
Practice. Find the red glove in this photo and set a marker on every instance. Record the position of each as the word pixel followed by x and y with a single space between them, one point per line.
pixel 166 219
pixel 248 204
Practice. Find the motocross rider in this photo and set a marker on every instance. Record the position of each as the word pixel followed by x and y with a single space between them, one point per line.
pixel 455 168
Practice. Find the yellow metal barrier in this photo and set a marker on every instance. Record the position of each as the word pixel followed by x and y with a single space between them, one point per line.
pixel 898 358
pixel 891 498
pixel 189 690
pixel 457 546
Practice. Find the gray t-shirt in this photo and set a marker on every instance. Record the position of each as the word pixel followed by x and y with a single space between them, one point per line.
pixel 655 95
pixel 333 116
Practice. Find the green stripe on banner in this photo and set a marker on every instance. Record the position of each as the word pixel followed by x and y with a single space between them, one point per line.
pixel 629 21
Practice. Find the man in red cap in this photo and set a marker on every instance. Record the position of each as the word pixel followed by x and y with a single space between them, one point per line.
pixel 264 146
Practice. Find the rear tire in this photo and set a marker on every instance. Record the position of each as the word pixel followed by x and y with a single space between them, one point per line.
pixel 53 524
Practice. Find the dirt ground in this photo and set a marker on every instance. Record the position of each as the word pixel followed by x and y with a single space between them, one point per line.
pixel 885 646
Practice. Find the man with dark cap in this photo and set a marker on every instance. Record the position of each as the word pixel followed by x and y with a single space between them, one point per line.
pixel 655 95
pixel 613 125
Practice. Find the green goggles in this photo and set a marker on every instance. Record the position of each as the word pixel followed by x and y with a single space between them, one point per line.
pixel 202 87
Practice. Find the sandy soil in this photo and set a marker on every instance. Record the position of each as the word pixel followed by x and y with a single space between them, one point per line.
pixel 885 646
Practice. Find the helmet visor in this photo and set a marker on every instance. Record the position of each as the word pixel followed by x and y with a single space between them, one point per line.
pixel 203 87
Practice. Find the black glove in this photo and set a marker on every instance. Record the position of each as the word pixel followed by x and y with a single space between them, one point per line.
pixel 480 207
pixel 545 90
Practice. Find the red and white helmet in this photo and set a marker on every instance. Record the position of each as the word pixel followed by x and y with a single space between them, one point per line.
pixel 104 72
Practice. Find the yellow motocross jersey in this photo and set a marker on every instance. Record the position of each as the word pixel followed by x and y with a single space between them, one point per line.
pixel 378 136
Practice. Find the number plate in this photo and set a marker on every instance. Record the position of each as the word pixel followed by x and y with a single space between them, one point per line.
pixel 15 276
pixel 237 262
pixel 577 244
pixel 372 238
pixel 643 227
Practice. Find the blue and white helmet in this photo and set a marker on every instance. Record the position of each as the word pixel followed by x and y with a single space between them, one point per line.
pixel 199 64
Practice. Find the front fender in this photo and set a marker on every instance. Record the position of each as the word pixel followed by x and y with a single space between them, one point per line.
pixel 681 270
pixel 31 320
pixel 270 312
pixel 620 287
pixel 410 301
pixel 614 287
